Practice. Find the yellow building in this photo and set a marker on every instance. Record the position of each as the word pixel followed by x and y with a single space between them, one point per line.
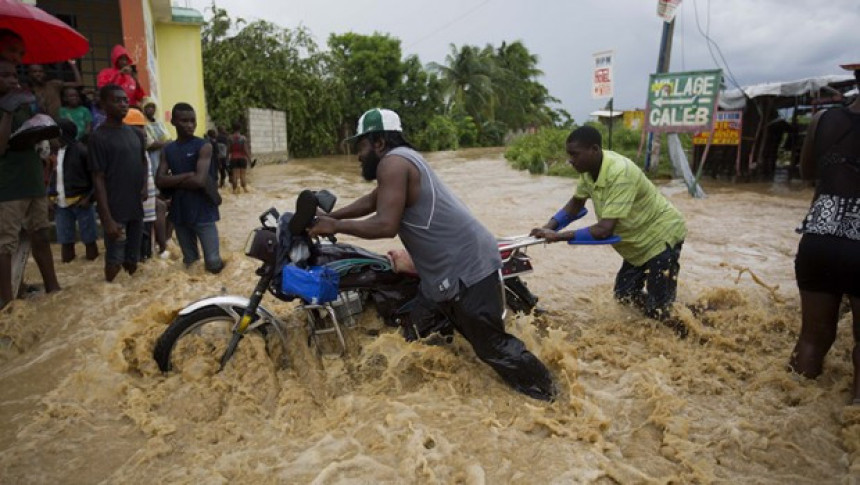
pixel 163 41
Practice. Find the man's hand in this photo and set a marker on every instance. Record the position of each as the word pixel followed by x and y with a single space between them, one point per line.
pixel 324 226
pixel 112 230
pixel 544 233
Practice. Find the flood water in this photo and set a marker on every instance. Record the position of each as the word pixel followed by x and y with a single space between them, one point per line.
pixel 82 401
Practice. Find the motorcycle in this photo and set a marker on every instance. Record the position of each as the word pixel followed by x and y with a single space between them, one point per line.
pixel 290 257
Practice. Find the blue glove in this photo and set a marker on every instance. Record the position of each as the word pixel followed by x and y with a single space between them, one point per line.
pixel 563 219
pixel 583 236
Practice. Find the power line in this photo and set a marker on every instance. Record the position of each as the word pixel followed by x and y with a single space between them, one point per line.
pixel 452 22
pixel 710 41
pixel 683 39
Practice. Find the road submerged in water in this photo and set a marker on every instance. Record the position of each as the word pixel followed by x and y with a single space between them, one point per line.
pixel 83 401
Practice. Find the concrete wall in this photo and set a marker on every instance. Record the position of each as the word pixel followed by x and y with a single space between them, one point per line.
pixel 267 130
pixel 180 71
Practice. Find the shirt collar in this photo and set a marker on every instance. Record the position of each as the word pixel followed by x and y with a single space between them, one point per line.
pixel 604 169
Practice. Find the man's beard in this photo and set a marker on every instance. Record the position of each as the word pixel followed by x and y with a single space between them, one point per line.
pixel 369 165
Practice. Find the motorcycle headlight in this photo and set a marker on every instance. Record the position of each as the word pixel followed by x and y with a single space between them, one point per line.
pixel 262 244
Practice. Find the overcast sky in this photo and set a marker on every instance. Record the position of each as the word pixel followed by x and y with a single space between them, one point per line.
pixel 762 40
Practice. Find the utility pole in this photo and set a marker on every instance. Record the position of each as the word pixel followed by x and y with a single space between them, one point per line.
pixel 611 118
pixel 653 150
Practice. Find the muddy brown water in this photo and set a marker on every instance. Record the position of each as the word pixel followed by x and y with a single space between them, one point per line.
pixel 81 400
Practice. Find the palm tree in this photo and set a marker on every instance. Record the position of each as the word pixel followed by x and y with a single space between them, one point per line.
pixel 467 82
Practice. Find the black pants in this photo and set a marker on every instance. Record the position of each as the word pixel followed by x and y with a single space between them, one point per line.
pixel 828 264
pixel 658 277
pixel 476 312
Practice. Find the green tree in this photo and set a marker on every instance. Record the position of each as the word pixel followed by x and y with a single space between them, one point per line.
pixel 266 66
pixel 419 98
pixel 467 82
pixel 522 99
pixel 370 70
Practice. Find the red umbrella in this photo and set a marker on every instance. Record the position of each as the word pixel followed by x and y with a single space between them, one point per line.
pixel 46 38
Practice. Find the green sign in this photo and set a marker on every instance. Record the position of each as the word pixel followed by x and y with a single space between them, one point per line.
pixel 682 101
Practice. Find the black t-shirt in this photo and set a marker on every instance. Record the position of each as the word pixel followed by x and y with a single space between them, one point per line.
pixel 119 154
pixel 77 180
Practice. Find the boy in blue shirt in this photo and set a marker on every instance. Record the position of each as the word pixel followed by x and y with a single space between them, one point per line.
pixel 185 170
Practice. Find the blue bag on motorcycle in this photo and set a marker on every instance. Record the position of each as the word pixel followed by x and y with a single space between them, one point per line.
pixel 315 285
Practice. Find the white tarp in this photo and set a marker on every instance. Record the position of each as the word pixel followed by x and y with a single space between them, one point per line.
pixel 734 98
pixel 605 113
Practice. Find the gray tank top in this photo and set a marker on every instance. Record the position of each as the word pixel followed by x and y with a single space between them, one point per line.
pixel 448 245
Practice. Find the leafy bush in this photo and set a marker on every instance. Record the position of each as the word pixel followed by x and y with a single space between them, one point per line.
pixel 492 134
pixel 440 134
pixel 544 151
pixel 539 152
pixel 467 131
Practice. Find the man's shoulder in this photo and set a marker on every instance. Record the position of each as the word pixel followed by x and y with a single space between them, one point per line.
pixel 620 167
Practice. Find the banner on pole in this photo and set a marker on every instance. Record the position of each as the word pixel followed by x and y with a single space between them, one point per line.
pixel 601 80
pixel 682 101
pixel 666 9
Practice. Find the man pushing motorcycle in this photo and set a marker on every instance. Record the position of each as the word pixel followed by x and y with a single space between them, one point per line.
pixel 455 256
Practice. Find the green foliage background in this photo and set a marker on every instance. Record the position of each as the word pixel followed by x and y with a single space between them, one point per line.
pixel 478 97
pixel 544 152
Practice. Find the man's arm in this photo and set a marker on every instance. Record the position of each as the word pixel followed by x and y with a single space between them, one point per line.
pixel 807 153
pixel 75 72
pixel 247 148
pixel 572 208
pixel 197 180
pixel 144 159
pixel 165 181
pixel 393 183
pixel 604 229
pixel 110 226
pixel 363 206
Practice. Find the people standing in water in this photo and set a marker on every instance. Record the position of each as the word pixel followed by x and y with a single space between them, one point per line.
pixel 136 119
pixel 23 200
pixel 827 265
pixel 157 134
pixel 118 161
pixel 223 142
pixel 240 156
pixel 628 205
pixel 71 192
pixel 456 257
pixel 186 169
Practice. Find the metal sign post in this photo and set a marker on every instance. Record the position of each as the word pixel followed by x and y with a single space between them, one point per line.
pixel 602 82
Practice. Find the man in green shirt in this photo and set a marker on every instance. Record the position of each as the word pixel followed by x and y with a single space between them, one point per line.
pixel 23 201
pixel 628 205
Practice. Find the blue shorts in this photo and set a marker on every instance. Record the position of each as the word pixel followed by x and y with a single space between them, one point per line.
pixel 126 249
pixel 70 219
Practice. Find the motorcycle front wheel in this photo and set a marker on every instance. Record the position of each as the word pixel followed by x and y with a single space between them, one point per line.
pixel 205 331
